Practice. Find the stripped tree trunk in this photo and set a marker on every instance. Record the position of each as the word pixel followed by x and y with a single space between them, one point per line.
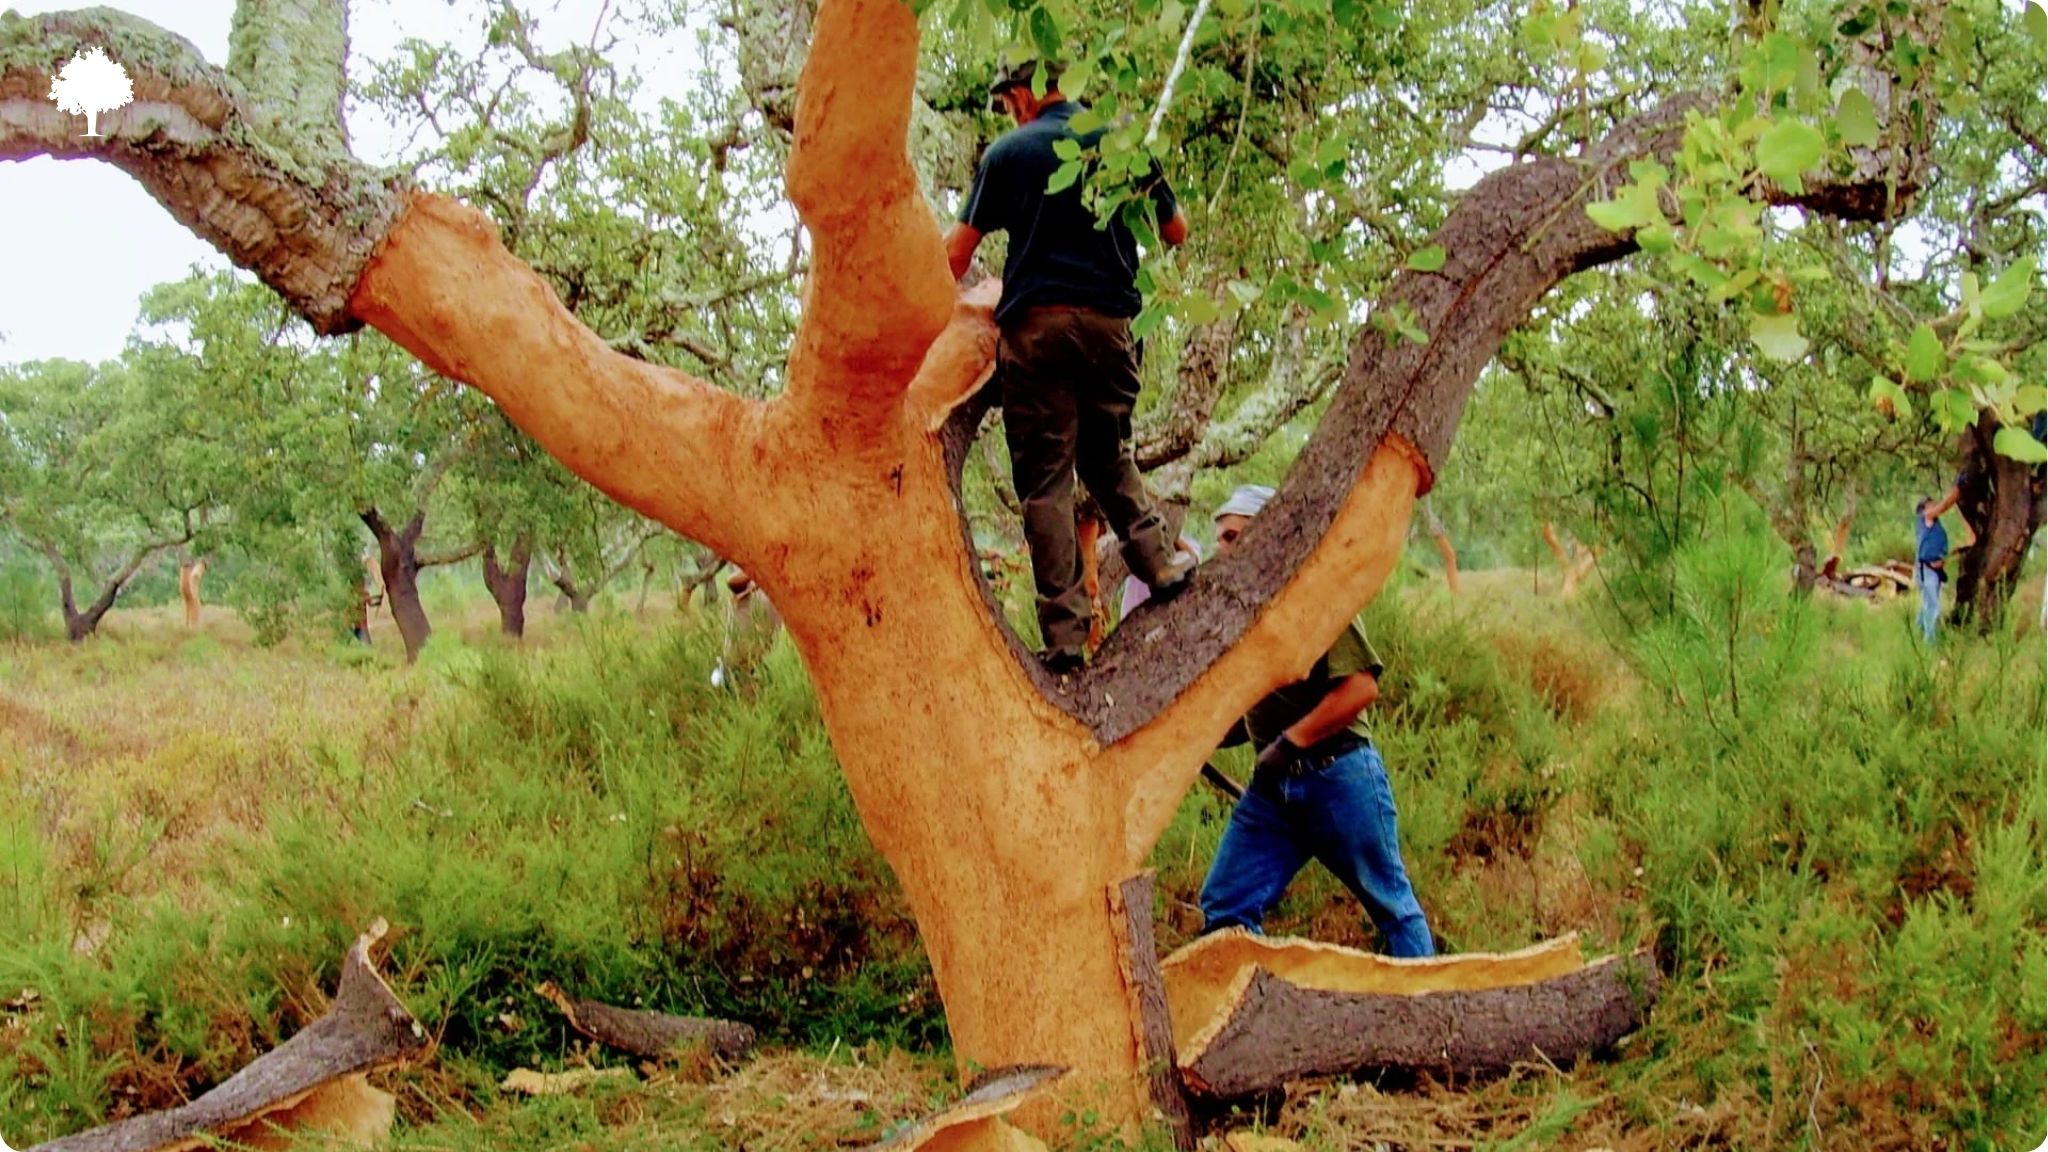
pixel 1442 537
pixel 398 569
pixel 2002 501
pixel 189 576
pixel 1006 803
pixel 507 583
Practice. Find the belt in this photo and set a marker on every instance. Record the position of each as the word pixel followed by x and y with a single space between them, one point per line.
pixel 1325 753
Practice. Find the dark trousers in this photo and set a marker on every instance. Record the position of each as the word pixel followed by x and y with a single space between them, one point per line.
pixel 1069 381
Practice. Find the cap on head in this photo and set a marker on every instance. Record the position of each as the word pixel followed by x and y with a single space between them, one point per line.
pixel 1020 76
pixel 1248 500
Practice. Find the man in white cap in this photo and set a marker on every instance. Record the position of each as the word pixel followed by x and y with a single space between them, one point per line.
pixel 1319 792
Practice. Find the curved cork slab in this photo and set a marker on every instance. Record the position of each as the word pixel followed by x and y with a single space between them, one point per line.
pixel 1277 1031
pixel 1206 979
pixel 312 1083
pixel 975 1124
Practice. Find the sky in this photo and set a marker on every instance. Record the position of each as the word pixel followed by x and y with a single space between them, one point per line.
pixel 84 241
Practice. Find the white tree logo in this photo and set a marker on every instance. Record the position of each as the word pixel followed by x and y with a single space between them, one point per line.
pixel 89 84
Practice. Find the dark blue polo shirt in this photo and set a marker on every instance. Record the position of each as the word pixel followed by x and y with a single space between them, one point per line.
pixel 1057 254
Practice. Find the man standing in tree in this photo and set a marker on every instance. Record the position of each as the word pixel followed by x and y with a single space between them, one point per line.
pixel 1066 361
pixel 1930 562
pixel 1319 791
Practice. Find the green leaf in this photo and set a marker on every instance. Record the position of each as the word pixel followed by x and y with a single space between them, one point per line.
pixel 1925 357
pixel 1734 286
pixel 1657 239
pixel 1245 293
pixel 1778 336
pixel 1305 174
pixel 1330 151
pixel 1702 272
pixel 1199 309
pixel 1779 58
pixel 1063 177
pixel 2020 445
pixel 1045 35
pixel 1856 118
pixel 1789 148
pixel 1067 149
pixel 1086 120
pixel 2008 293
pixel 1074 83
pixel 1147 322
pixel 1430 259
pixel 1857 24
pixel 1347 12
pixel 1617 215
pixel 2037 27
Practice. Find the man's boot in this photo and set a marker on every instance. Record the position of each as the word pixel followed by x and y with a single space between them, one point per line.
pixel 1167 574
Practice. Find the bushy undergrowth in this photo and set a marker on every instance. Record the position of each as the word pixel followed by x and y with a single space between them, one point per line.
pixel 1830 837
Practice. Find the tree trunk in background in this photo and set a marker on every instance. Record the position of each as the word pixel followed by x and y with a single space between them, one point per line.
pixel 1442 537
pixel 508 584
pixel 2002 501
pixel 189 576
pixel 398 565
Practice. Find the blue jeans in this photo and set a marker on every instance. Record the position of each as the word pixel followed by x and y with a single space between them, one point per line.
pixel 1930 600
pixel 1341 814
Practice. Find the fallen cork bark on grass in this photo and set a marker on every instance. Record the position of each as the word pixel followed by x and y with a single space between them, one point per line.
pixel 1250 1014
pixel 314 1083
pixel 976 1123
pixel 652 1035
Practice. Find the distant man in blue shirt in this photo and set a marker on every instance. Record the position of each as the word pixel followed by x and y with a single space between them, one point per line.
pixel 1930 563
pixel 1065 360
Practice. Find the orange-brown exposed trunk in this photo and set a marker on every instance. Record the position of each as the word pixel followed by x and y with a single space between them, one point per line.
pixel 189 576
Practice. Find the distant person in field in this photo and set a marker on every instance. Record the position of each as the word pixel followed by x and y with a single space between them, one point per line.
pixel 1930 563
pixel 1319 792
pixel 1066 361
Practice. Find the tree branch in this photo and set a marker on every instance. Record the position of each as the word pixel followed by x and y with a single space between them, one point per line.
pixel 303 219
pixel 879 291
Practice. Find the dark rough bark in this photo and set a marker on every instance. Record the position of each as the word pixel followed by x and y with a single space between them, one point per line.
pixel 365 1028
pixel 398 561
pixel 653 1035
pixel 1197 387
pixel 507 583
pixel 80 624
pixel 1280 1032
pixel 2002 500
pixel 304 221
pixel 1131 913
pixel 1513 236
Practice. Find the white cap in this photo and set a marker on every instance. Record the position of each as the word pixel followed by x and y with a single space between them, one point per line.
pixel 1246 501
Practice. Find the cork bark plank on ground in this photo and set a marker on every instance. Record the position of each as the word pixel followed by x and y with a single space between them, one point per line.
pixel 1277 1031
pixel 652 1035
pixel 313 1083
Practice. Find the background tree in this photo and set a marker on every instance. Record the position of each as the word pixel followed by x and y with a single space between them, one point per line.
pixel 70 435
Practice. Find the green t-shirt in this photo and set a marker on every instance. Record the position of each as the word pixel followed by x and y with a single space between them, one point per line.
pixel 1284 707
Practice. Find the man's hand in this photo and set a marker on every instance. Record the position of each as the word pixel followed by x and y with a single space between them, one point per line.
pixel 1277 755
pixel 961 241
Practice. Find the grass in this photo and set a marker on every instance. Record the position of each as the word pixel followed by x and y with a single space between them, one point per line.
pixel 1841 874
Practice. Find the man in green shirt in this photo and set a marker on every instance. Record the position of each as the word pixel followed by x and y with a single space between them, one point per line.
pixel 1319 792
